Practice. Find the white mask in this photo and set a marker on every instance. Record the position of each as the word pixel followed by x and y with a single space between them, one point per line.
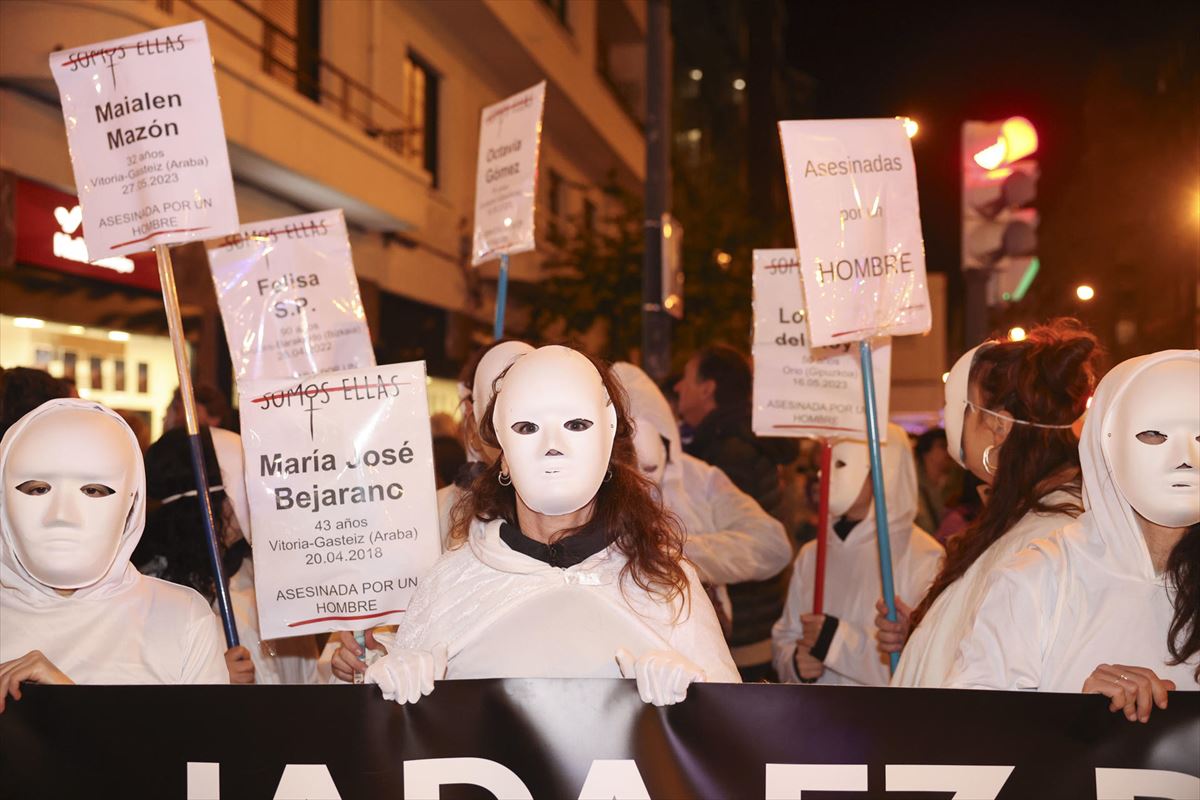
pixel 651 451
pixel 69 486
pixel 1150 443
pixel 851 463
pixel 957 385
pixel 556 427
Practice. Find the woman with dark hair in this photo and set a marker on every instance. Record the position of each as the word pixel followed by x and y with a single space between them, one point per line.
pixel 1119 588
pixel 1010 407
pixel 562 564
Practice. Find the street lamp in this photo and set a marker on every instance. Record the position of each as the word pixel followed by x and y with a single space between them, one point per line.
pixel 1084 292
pixel 910 126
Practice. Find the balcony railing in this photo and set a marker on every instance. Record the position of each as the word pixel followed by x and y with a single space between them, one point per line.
pixel 282 56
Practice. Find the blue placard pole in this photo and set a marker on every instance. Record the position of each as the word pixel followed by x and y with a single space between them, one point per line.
pixel 166 276
pixel 881 514
pixel 501 298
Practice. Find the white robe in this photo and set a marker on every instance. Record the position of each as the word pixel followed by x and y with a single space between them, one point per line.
pixel 929 653
pixel 853 583
pixel 503 614
pixel 126 628
pixel 1085 595
pixel 730 538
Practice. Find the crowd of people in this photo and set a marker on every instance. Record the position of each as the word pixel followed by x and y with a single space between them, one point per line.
pixel 595 525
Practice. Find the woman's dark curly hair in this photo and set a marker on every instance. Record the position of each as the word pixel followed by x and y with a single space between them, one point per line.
pixel 626 508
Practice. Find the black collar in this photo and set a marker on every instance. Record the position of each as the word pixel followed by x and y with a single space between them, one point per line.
pixel 566 552
pixel 843 527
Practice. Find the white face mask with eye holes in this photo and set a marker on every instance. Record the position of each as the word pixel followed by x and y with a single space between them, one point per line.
pixel 556 428
pixel 851 465
pixel 1150 443
pixel 651 450
pixel 69 485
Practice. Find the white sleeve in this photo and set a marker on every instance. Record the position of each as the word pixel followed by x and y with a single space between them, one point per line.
pixel 788 631
pixel 745 542
pixel 1004 647
pixel 853 653
pixel 204 661
pixel 697 636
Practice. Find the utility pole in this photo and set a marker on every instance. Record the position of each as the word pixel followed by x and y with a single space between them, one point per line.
pixel 656 322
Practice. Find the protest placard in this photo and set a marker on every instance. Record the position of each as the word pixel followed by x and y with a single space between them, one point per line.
pixel 289 298
pixel 146 139
pixel 510 133
pixel 853 190
pixel 801 390
pixel 339 472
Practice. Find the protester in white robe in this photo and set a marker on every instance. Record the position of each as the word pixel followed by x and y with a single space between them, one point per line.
pixel 73 609
pixel 838 646
pixel 556 581
pixel 475 395
pixel 1010 413
pixel 1089 607
pixel 730 539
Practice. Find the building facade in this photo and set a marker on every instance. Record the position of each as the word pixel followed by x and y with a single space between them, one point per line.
pixel 371 106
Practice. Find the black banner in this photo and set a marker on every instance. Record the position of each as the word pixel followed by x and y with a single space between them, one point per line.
pixel 589 738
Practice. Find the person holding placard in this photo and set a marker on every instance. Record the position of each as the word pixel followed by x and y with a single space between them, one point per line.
pixel 730 538
pixel 173 548
pixel 73 609
pixel 1010 407
pixel 1111 603
pixel 838 646
pixel 564 564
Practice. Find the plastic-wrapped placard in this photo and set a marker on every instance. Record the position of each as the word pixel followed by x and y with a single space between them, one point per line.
pixel 510 133
pixel 339 472
pixel 289 298
pixel 801 390
pixel 146 139
pixel 853 191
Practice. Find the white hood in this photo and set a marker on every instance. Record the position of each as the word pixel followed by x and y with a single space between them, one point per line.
pixel 122 575
pixel 900 488
pixel 231 464
pixel 1110 524
pixel 646 402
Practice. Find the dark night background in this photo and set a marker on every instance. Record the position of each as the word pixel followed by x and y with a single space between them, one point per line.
pixel 1114 91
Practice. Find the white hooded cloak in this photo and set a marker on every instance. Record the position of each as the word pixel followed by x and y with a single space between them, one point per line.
pixel 503 614
pixel 1085 595
pixel 852 579
pixel 126 628
pixel 929 654
pixel 730 538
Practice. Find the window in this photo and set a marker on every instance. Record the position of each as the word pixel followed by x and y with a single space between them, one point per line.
pixel 589 216
pixel 96 372
pixel 559 9
pixel 421 108
pixel 119 375
pixel 70 359
pixel 554 192
pixel 143 378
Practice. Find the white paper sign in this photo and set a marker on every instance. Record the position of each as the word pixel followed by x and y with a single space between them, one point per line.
pixel 510 133
pixel 853 190
pixel 339 472
pixel 289 298
pixel 799 390
pixel 146 138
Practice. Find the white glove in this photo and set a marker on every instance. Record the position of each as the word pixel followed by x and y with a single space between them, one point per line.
pixel 405 675
pixel 662 675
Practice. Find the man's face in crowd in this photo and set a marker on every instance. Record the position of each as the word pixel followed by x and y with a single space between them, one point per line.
pixel 695 395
